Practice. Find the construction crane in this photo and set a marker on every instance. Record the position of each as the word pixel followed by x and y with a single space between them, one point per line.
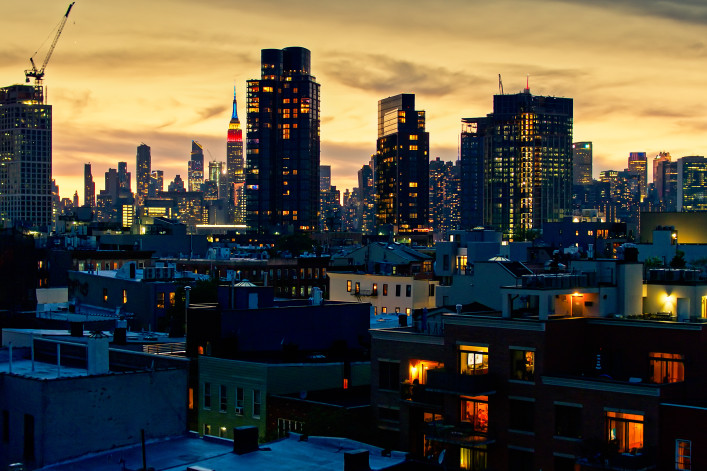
pixel 500 85
pixel 38 75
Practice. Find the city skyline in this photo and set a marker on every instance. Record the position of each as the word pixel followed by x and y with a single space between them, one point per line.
pixel 167 79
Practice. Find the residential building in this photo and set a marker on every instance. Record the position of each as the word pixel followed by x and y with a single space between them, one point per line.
pixel 282 157
pixel 26 156
pixel 402 166
pixel 581 163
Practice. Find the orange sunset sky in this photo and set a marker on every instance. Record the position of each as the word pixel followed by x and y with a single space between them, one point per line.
pixel 162 72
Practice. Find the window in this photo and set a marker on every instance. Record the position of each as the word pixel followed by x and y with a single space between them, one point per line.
pixel 666 367
pixel 358 288
pixel 223 398
pixel 397 290
pixel 172 297
pixel 389 375
pixel 568 421
pixel 408 311
pixel 207 429
pixel 522 415
pixel 408 291
pixel 385 289
pixel 207 395
pixel 105 295
pixel 125 296
pixel 625 432
pixel 522 365
pixel 191 398
pixel 432 290
pixel 348 286
pixel 160 300
pixel 397 310
pixel 683 454
pixel 374 291
pixel 285 426
pixel 473 459
pixel 475 410
pixel 256 403
pixel 239 401
pixel 384 310
pixel 474 360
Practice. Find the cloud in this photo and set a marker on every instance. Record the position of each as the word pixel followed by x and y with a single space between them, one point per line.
pixel 687 11
pixel 212 111
pixel 385 75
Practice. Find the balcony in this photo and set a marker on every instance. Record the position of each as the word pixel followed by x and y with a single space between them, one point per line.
pixel 419 394
pixel 459 434
pixel 447 382
pixel 618 462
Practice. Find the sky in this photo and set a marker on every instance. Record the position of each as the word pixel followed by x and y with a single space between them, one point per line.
pixel 162 72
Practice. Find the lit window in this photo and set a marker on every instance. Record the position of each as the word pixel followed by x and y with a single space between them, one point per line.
pixel 348 286
pixel 683 455
pixel 105 295
pixel 473 360
pixel 160 300
pixel 191 398
pixel 172 297
pixel 666 367
pixel 374 291
pixel 385 289
pixel 358 288
pixel 384 310
pixel 625 432
pixel 473 458
pixel 475 410
pixel 522 365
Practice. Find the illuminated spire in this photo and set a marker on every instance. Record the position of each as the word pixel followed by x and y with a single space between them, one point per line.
pixel 235 111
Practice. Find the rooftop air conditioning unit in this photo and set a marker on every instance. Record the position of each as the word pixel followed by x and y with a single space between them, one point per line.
pixel 239 411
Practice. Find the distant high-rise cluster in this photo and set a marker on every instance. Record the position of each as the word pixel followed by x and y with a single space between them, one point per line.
pixel 282 141
pixel 582 163
pixel 445 196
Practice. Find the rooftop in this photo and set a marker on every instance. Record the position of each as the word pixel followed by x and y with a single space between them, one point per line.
pixel 317 453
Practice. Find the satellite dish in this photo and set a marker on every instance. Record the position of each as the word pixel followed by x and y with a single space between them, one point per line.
pixel 441 456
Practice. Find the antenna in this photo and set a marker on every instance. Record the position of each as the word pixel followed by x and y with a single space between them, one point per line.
pixel 527 83
pixel 500 85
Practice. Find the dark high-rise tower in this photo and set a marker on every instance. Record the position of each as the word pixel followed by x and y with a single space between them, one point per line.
pixel 89 187
pixel 472 171
pixel 235 166
pixel 196 167
pixel 282 140
pixel 582 163
pixel 143 168
pixel 402 165
pixel 527 161
pixel 25 157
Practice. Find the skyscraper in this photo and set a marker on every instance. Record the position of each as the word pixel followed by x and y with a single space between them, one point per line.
pixel 444 196
pixel 282 137
pixel 235 166
pixel 527 149
pixel 156 182
pixel 638 163
pixel 402 165
pixel 89 187
pixel 582 163
pixel 143 168
pixel 472 171
pixel 195 172
pixel 692 183
pixel 25 157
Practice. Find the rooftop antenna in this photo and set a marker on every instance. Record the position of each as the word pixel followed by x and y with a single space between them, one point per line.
pixel 527 83
pixel 500 85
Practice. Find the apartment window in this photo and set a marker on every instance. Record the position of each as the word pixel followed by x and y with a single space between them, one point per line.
pixel 397 310
pixel 389 375
pixel 522 365
pixel 568 421
pixel 172 298
pixel 384 310
pixel 666 367
pixel 223 398
pixel 105 295
pixel 408 291
pixel 256 403
pixel 522 415
pixel 385 289
pixel 358 288
pixel 207 395
pixel 348 286
pixel 625 432
pixel 473 360
pixel 160 300
pixel 207 429
pixel 408 311
pixel 239 401
pixel 475 411
pixel 473 459
pixel 520 460
pixel 191 398
pixel 374 291
pixel 125 296
pixel 397 290
pixel 683 455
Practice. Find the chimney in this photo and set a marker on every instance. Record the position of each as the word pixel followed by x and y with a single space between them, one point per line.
pixel 120 335
pixel 97 354
pixel 356 460
pixel 245 439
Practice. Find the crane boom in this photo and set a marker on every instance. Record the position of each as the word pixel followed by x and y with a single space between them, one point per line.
pixel 39 74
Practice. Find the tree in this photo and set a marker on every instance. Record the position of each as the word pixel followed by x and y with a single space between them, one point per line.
pixel 678 260
pixel 653 262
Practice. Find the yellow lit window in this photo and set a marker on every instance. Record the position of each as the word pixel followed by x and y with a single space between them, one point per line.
pixel 475 410
pixel 666 367
pixel 268 89
pixel 413 137
pixel 413 147
pixel 413 184
pixel 625 432
pixel 473 360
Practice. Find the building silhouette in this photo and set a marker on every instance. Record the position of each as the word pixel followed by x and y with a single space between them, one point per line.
pixel 143 168
pixel 402 165
pixel 472 172
pixel 195 172
pixel 638 163
pixel 282 157
pixel 89 187
pixel 527 161
pixel 582 163
pixel 235 166
pixel 26 156
pixel 692 183
pixel 444 196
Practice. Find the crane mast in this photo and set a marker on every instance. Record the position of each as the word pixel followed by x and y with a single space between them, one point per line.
pixel 38 74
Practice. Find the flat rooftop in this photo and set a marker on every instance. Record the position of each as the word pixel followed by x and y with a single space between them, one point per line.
pixel 176 454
